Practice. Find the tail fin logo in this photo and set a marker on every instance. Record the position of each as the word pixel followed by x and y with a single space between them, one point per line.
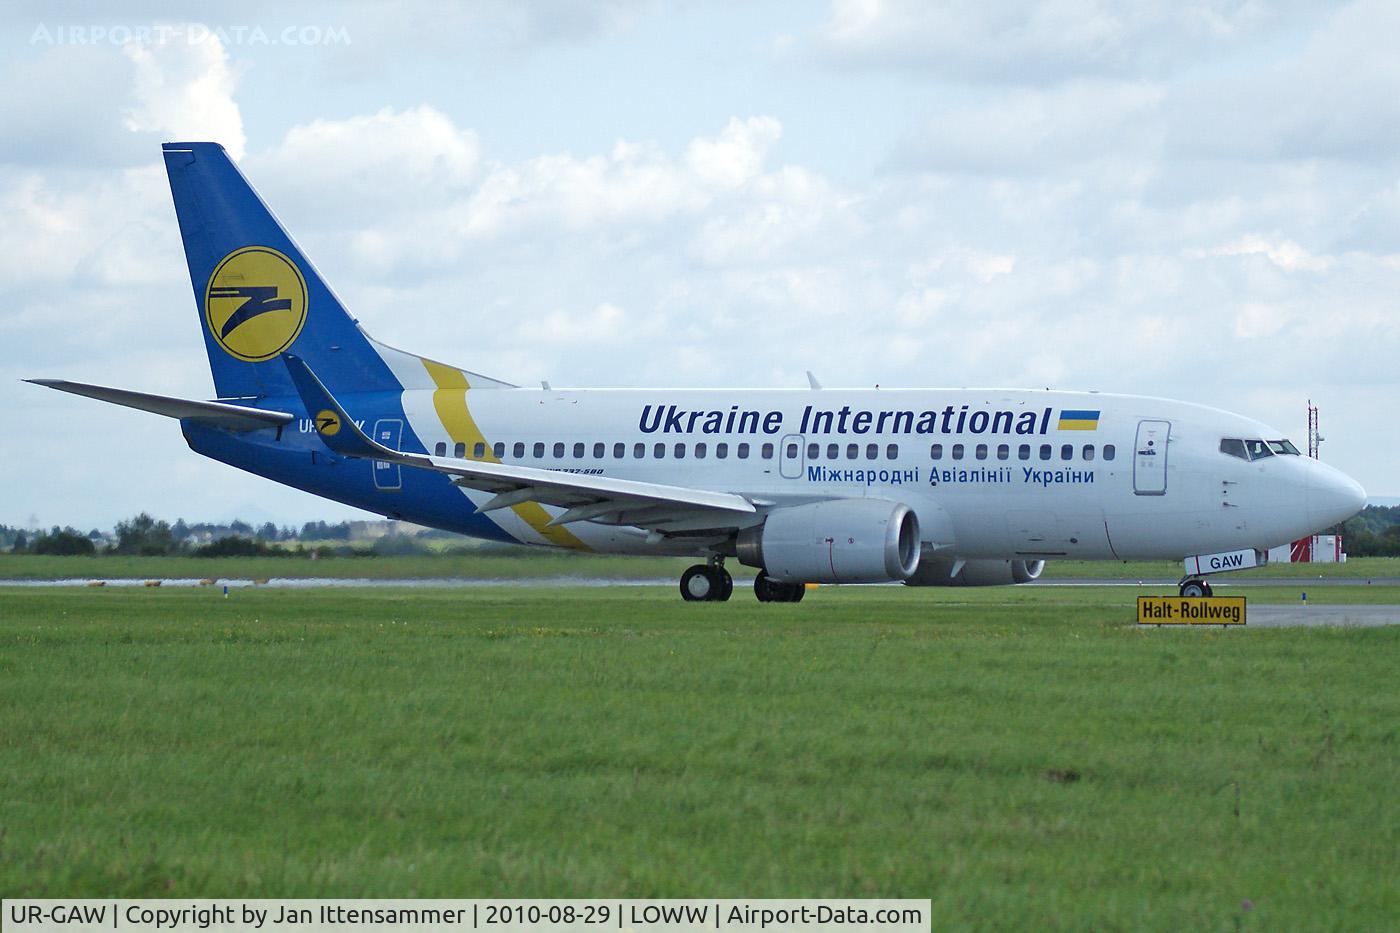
pixel 255 303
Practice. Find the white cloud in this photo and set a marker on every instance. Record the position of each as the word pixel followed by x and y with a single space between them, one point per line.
pixel 1033 130
pixel 1285 254
pixel 736 155
pixel 1038 40
pixel 184 90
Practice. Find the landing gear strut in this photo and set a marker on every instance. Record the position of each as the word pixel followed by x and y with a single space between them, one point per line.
pixel 1194 587
pixel 769 590
pixel 709 583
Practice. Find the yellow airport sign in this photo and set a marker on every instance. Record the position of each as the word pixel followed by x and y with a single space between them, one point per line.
pixel 1190 610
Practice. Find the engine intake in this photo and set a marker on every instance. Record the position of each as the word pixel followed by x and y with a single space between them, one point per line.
pixel 838 541
pixel 938 571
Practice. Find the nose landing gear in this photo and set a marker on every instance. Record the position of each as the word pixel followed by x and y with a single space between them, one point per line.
pixel 1194 587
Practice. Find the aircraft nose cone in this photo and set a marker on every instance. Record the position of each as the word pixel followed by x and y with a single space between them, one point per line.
pixel 1333 497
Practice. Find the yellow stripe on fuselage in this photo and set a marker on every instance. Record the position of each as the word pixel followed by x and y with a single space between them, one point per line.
pixel 450 401
pixel 1068 425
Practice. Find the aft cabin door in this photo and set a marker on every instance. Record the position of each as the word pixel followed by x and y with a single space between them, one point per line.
pixel 387 431
pixel 1150 458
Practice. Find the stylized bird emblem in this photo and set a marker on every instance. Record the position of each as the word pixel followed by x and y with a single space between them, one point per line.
pixel 261 299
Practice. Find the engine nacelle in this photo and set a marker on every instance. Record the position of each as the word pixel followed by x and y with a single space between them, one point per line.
pixel 938 571
pixel 838 541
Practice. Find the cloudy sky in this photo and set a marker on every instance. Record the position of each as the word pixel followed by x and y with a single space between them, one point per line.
pixel 1197 199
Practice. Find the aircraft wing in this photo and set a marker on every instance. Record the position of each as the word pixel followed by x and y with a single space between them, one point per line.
pixel 669 509
pixel 221 414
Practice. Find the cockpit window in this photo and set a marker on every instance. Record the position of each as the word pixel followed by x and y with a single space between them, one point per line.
pixel 1234 447
pixel 1255 449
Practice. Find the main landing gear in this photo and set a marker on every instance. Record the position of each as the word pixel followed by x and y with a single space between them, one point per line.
pixel 769 590
pixel 711 583
pixel 708 583
pixel 1194 587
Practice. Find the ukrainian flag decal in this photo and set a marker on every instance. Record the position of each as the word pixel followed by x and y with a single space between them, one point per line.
pixel 1074 419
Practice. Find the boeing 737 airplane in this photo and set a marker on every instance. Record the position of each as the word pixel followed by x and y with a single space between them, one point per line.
pixel 931 487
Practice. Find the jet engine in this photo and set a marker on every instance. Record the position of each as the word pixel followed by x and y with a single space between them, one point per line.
pixel 838 541
pixel 938 571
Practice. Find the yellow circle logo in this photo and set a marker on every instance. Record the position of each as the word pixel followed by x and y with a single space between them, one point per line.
pixel 327 422
pixel 255 303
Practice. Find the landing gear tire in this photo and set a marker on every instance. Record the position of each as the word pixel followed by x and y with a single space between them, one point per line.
pixel 705 583
pixel 769 590
pixel 1194 588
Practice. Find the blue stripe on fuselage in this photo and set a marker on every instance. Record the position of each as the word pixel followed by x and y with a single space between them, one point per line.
pixel 426 497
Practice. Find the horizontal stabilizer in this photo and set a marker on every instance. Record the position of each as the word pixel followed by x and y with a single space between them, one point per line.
pixel 220 414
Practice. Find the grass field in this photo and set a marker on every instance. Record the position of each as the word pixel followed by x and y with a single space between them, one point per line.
pixel 515 564
pixel 1025 757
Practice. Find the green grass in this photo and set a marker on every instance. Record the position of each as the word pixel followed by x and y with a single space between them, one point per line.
pixel 514 564
pixel 1026 758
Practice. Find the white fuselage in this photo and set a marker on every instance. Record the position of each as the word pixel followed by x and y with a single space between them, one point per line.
pixel 990 473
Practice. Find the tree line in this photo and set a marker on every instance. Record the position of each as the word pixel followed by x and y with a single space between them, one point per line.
pixel 144 535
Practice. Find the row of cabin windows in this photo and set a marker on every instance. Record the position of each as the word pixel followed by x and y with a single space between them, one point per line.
pixel 847 451
pixel 639 451
pixel 1023 452
pixel 702 450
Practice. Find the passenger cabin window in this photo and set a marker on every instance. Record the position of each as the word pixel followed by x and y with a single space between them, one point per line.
pixel 680 451
pixel 459 450
pixel 1088 451
pixel 981 451
pixel 1045 451
pixel 936 452
pixel 957 451
pixel 479 450
pixel 518 451
pixel 441 449
pixel 538 450
pixel 659 451
pixel 1023 452
pixel 891 451
pixel 578 450
pixel 766 451
pixel 721 451
pixel 1109 451
pixel 872 451
pixel 1003 451
pixel 742 451
pixel 558 449
pixel 598 450
pixel 833 451
pixel 791 451
pixel 852 451
pixel 619 450
pixel 639 451
pixel 701 450
pixel 813 450
pixel 498 449
pixel 1067 452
